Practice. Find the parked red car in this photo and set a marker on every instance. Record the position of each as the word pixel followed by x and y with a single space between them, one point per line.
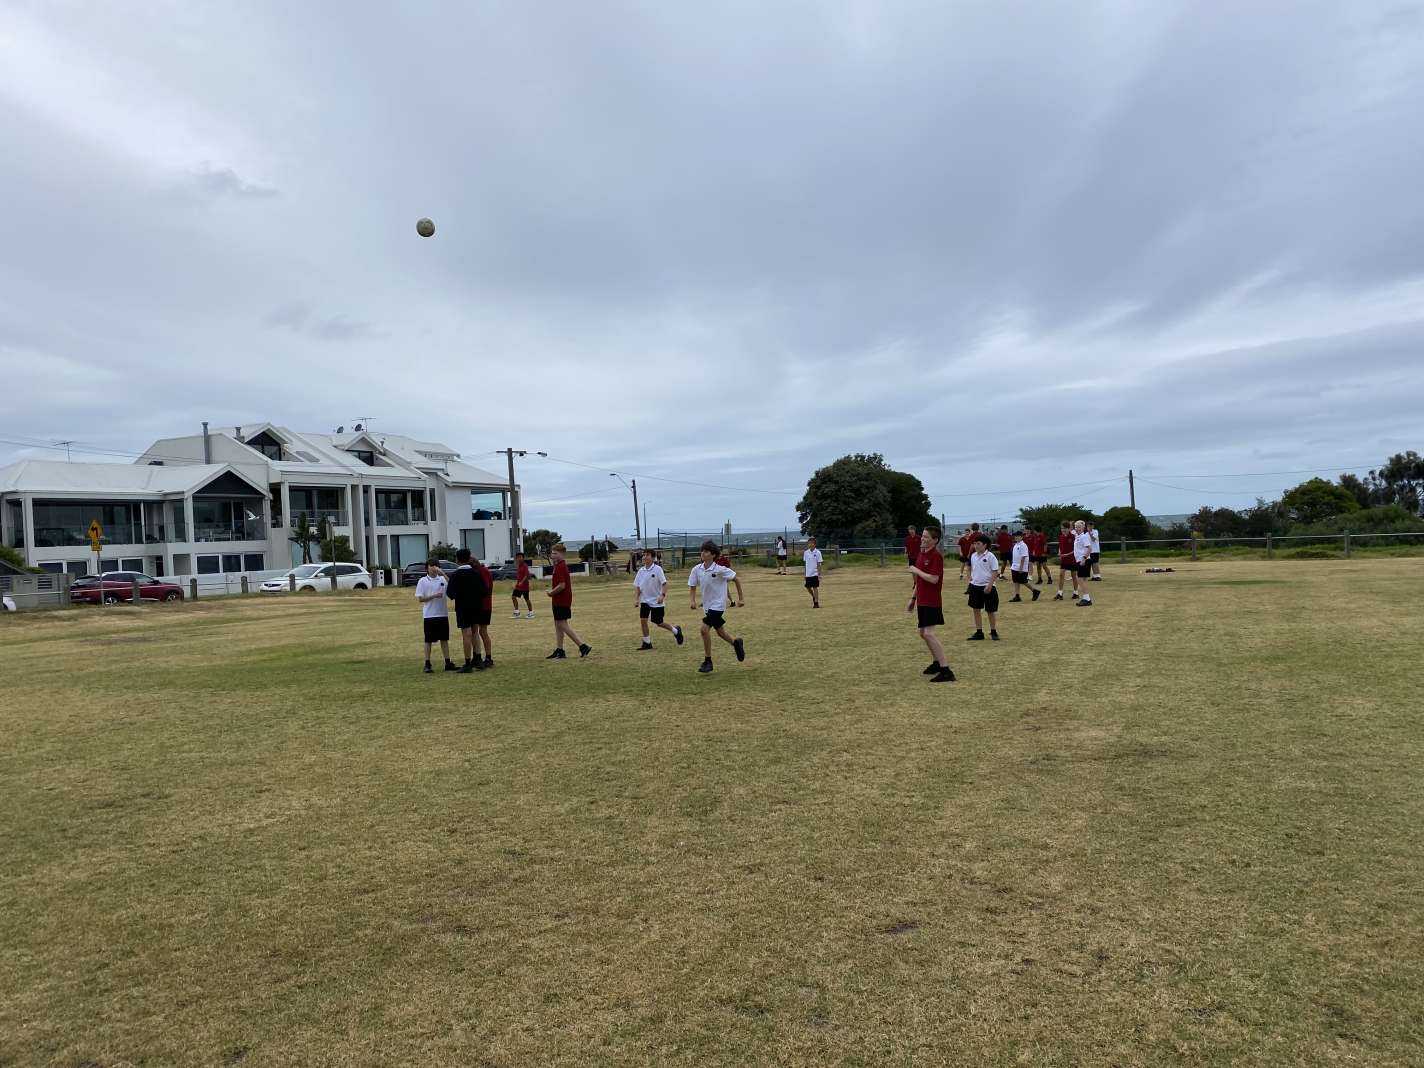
pixel 115 586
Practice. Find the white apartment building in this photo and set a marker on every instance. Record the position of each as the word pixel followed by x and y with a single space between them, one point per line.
pixel 226 501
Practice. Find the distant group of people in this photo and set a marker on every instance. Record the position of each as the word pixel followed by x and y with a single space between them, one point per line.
pixel 470 588
pixel 1024 554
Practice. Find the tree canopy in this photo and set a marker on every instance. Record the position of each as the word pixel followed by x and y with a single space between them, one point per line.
pixel 861 497
pixel 1317 499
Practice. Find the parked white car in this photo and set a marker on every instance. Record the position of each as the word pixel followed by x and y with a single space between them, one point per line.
pixel 316 578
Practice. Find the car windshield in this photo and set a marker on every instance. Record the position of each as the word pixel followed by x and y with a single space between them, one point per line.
pixel 305 571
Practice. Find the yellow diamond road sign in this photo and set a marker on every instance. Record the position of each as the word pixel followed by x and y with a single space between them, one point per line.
pixel 95 533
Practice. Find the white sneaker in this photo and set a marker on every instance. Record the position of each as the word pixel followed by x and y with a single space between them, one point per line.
pixel 516 613
pixel 529 616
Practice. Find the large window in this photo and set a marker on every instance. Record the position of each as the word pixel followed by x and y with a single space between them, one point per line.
pixel 60 523
pixel 318 502
pixel 399 507
pixel 230 563
pixel 228 519
pixel 486 505
pixel 474 540
pixel 16 510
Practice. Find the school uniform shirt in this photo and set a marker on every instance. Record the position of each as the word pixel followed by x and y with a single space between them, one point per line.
pixel 930 594
pixel 1040 544
pixel 650 582
pixel 812 560
pixel 487 578
pixel 1005 542
pixel 1020 557
pixel 912 545
pixel 983 567
pixel 521 578
pixel 711 579
pixel 1094 535
pixel 966 543
pixel 1083 547
pixel 565 597
pixel 1065 547
pixel 435 609
pixel 780 547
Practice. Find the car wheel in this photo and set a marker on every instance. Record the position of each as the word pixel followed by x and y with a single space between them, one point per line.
pixel 109 598
pixel 306 589
pixel 172 596
pixel 359 586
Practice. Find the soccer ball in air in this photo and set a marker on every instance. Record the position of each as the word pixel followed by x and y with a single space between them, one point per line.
pixel 425 228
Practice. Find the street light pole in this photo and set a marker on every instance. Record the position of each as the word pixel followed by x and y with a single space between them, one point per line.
pixel 637 524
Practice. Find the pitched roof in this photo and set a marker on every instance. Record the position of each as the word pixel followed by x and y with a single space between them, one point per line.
pixel 57 476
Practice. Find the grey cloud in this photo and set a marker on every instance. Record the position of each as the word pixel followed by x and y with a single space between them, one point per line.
pixel 225 182
pixel 297 317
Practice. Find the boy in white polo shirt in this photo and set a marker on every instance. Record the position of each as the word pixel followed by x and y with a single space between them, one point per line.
pixel 651 585
pixel 435 616
pixel 983 570
pixel 710 579
pixel 1083 556
pixel 812 559
pixel 1097 551
pixel 1019 567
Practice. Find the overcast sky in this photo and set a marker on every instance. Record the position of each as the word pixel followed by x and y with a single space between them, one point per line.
pixel 1009 246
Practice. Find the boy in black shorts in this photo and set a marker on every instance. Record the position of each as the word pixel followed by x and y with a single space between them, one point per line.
pixel 467 591
pixel 435 617
pixel 650 595
pixel 1019 567
pixel 983 570
pixel 928 599
pixel 710 579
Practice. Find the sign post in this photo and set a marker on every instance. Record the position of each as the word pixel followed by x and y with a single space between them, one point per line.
pixel 96 535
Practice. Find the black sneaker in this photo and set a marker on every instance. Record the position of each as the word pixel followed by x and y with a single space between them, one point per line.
pixel 994 634
pixel 646 647
pixel 1085 603
pixel 451 666
pixel 705 668
pixel 489 662
pixel 428 669
pixel 931 669
pixel 944 674
pixel 584 650
pixel 977 636
pixel 1058 596
pixel 1016 597
pixel 740 648
pixel 1037 594
pixel 557 654
pixel 467 669
pixel 1096 578
pixel 677 634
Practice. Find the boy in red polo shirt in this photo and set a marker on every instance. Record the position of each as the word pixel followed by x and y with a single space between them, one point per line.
pixel 1066 563
pixel 521 585
pixel 1004 543
pixel 928 598
pixel 562 594
pixel 484 614
pixel 912 546
pixel 966 546
pixel 1039 558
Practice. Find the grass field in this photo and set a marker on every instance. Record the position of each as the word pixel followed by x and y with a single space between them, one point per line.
pixel 1185 826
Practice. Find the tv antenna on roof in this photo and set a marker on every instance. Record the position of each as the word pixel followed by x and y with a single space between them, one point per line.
pixel 66 445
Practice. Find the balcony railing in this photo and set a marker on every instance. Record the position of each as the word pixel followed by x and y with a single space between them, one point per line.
pixel 252 530
pixel 62 537
pixel 399 517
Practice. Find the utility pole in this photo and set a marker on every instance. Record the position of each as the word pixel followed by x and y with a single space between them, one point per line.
pixel 1131 490
pixel 515 542
pixel 637 525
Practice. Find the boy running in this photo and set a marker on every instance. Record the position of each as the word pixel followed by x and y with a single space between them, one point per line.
pixel 812 559
pixel 435 617
pixel 1020 566
pixel 710 579
pixel 484 613
pixel 983 570
pixel 521 586
pixel 1083 554
pixel 651 585
pixel 928 598
pixel 562 595
pixel 780 555
pixel 467 591
pixel 1097 551
pixel 1066 564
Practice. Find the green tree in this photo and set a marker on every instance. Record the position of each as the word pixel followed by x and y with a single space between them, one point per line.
pixel 443 550
pixel 841 496
pixel 538 542
pixel 909 503
pixel 303 534
pixel 1400 481
pixel 1317 499
pixel 14 558
pixel 335 548
pixel 1125 522
pixel 1048 517
pixel 1357 487
pixel 1212 522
